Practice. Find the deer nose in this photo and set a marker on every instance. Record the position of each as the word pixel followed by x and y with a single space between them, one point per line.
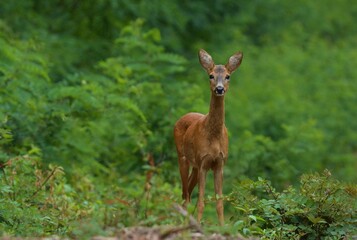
pixel 219 90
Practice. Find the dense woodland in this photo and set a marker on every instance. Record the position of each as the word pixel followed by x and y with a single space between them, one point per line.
pixel 90 92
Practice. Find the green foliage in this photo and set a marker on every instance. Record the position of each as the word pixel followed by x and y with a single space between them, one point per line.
pixel 322 208
pixel 38 200
pixel 294 98
pixel 96 87
pixel 302 20
pixel 34 202
pixel 69 114
pixel 263 156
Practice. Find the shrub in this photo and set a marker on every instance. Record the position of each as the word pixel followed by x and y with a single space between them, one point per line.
pixel 40 200
pixel 322 208
pixel 34 201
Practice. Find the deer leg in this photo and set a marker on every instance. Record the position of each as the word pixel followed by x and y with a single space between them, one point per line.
pixel 218 185
pixel 184 169
pixel 201 193
pixel 192 181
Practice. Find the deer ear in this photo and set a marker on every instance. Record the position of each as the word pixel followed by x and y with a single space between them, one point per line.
pixel 234 62
pixel 206 60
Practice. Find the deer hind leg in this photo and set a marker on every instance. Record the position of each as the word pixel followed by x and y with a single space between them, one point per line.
pixel 201 193
pixel 218 184
pixel 184 170
pixel 192 181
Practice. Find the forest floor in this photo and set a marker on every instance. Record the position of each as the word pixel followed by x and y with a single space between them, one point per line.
pixel 151 233
pixel 143 233
pixel 192 230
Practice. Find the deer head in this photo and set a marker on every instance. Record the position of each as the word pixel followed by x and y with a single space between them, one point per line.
pixel 219 75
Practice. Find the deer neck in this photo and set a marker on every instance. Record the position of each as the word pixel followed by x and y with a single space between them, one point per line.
pixel 215 117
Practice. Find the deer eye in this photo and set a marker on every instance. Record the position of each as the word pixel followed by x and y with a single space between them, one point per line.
pixel 227 77
pixel 211 77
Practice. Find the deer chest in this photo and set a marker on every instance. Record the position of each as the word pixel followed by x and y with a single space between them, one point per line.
pixel 213 153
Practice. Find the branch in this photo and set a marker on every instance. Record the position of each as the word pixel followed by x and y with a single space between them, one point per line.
pixel 44 182
pixel 193 223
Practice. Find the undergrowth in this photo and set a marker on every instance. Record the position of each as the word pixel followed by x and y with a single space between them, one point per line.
pixel 39 200
pixel 322 208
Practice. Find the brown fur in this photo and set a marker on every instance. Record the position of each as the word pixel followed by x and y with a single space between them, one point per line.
pixel 202 141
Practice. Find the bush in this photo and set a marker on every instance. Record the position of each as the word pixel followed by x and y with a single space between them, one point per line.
pixel 322 208
pixel 34 202
pixel 41 200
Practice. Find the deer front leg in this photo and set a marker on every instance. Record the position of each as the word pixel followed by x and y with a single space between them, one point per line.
pixel 201 192
pixel 218 185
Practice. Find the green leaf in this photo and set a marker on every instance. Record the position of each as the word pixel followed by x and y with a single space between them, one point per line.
pixel 246 231
pixel 316 220
pixel 254 218
pixel 238 224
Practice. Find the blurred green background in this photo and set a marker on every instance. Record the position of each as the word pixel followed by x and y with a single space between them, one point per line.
pixel 96 86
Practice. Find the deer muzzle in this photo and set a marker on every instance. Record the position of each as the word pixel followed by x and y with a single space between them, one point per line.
pixel 219 91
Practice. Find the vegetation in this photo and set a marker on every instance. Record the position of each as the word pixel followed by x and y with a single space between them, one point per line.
pixel 321 208
pixel 90 91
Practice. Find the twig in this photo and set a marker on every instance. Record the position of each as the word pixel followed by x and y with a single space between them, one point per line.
pixel 147 188
pixel 44 182
pixel 174 231
pixel 193 223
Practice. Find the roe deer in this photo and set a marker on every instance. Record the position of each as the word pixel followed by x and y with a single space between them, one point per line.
pixel 202 141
